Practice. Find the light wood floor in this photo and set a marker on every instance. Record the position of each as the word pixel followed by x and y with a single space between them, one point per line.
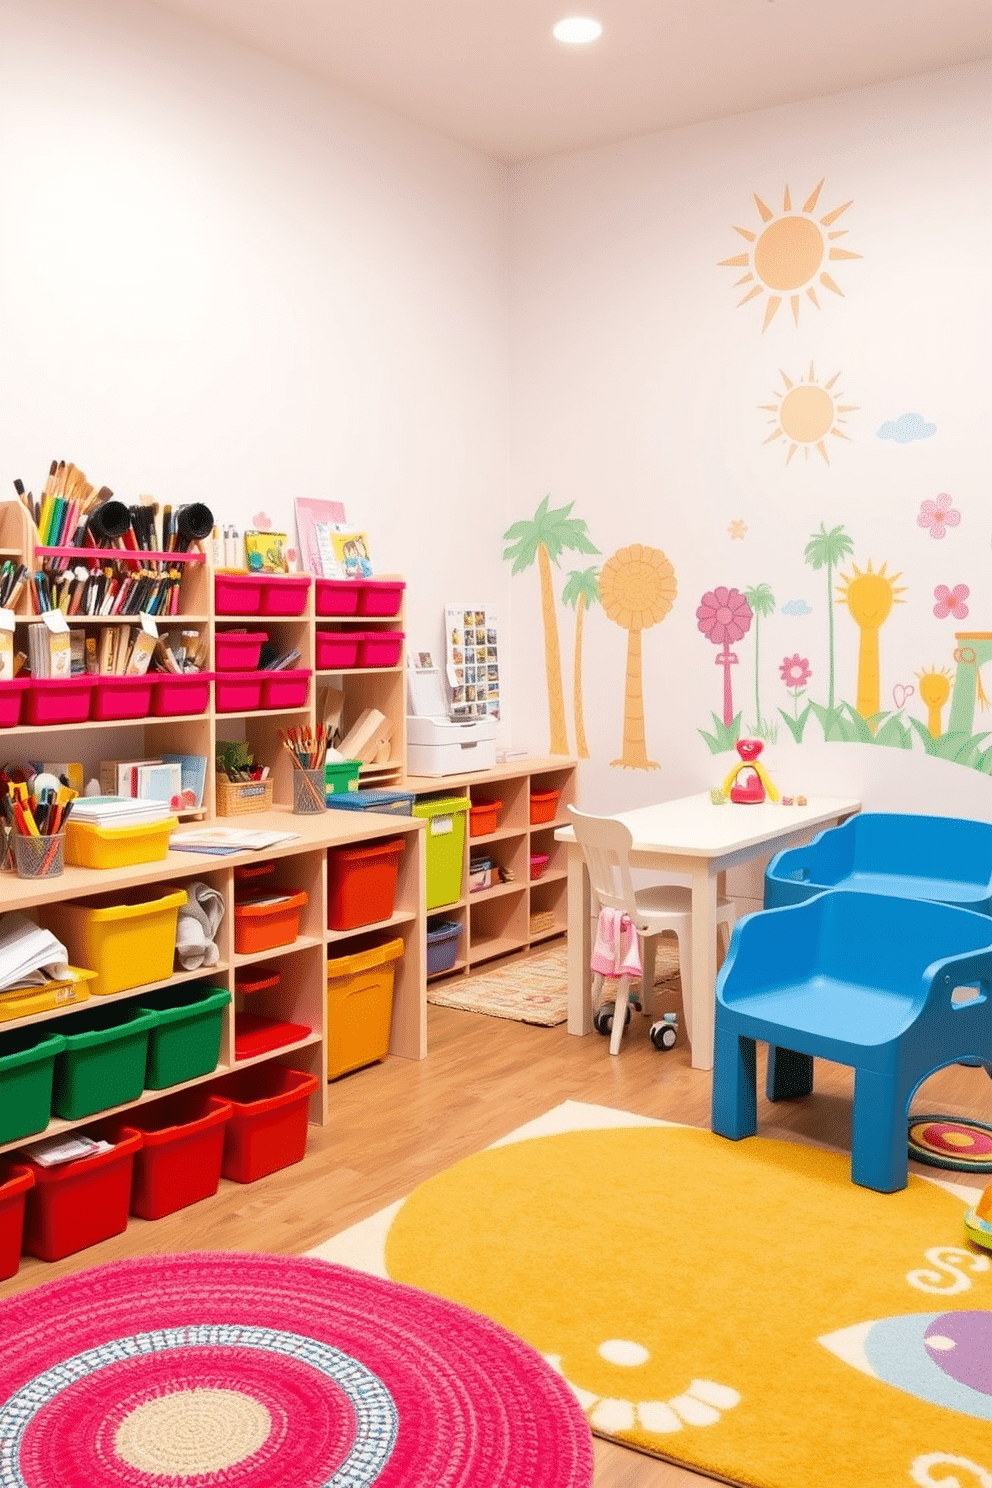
pixel 395 1124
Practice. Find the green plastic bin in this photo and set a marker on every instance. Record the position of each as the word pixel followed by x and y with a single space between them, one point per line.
pixel 341 776
pixel 446 818
pixel 103 1062
pixel 185 1042
pixel 27 1069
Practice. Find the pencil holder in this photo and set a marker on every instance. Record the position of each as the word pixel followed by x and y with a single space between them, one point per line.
pixel 39 857
pixel 308 792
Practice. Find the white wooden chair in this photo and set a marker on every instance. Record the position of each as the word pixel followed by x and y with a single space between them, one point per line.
pixel 606 845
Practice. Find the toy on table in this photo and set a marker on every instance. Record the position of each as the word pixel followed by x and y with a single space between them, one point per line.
pixel 978 1221
pixel 755 784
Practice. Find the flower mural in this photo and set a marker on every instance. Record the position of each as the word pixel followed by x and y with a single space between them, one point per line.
pixel 951 601
pixel 724 616
pixel 938 515
pixel 795 672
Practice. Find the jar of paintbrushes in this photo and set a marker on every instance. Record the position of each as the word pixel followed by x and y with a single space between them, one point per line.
pixel 307 748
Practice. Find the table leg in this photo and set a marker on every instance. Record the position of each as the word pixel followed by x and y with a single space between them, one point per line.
pixel 703 990
pixel 579 944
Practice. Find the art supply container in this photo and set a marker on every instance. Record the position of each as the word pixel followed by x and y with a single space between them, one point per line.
pixel 238 650
pixel 269 1122
pixel 341 776
pixel 182 1146
pixel 57 700
pixel 172 695
pixel 386 803
pixel 361 883
pixel 11 697
pixel 238 692
pixel 125 938
pixel 115 698
pixel 80 1203
pixel 38 857
pixel 27 1070
pixel 288 689
pixel 87 846
pixel 308 791
pixel 360 1007
pixel 15 1180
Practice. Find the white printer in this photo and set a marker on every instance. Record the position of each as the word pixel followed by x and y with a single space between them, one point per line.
pixel 437 744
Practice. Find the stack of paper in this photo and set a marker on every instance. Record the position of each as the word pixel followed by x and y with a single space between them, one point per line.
pixel 29 956
pixel 118 811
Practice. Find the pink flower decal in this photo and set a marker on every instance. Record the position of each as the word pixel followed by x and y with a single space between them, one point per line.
pixel 938 515
pixel 724 615
pixel 795 670
pixel 262 522
pixel 951 601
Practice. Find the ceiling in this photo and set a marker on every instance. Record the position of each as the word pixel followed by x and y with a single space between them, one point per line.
pixel 488 72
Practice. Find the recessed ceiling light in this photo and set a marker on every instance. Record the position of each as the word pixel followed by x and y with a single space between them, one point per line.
pixel 577 30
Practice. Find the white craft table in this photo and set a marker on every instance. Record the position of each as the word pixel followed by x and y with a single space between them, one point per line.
pixel 689 836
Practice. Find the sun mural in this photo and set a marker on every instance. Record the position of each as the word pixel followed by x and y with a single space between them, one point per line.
pixel 807 412
pixel 788 254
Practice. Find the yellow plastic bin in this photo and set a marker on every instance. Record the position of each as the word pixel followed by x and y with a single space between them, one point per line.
pixel 127 938
pixel 87 846
pixel 446 819
pixel 360 1007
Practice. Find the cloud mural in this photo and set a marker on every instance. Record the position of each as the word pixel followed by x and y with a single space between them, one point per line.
pixel 797 607
pixel 906 428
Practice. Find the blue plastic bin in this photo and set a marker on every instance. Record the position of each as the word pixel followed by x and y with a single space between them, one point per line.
pixel 442 945
pixel 392 803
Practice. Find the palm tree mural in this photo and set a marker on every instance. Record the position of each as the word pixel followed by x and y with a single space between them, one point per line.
pixel 581 590
pixel 544 538
pixel 637 587
pixel 762 602
pixel 825 550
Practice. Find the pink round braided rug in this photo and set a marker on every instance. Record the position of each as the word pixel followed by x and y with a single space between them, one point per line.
pixel 227 1370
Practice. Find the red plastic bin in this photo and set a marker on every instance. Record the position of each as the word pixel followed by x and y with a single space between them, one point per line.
pixel 284 594
pixel 380 648
pixel 182 1145
pixel 57 700
pixel 337 648
pixel 380 596
pixel 361 883
pixel 269 1123
pixel 237 692
pixel 238 650
pixel 120 697
pixel 287 689
pixel 11 698
pixel 188 692
pixel 80 1203
pixel 238 594
pixel 247 983
pixel 337 597
pixel 538 863
pixel 254 1033
pixel 543 805
pixel 15 1180
pixel 482 817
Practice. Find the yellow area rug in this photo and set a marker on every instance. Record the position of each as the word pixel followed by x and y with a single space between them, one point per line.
pixel 741 1309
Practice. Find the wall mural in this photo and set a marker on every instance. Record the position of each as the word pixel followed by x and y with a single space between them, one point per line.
pixel 638 588
pixel 805 414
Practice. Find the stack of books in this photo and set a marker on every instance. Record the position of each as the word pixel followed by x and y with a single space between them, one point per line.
pixel 118 811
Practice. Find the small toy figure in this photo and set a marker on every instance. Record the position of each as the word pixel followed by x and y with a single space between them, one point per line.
pixel 752 789
pixel 717 797
pixel 800 800
pixel 978 1221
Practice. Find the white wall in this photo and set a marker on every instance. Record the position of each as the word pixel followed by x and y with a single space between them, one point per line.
pixel 636 390
pixel 221 280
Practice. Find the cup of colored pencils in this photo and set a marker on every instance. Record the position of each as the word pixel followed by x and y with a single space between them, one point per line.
pixel 307 748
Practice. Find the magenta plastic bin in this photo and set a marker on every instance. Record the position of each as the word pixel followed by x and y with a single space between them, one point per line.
pixel 287 689
pixel 380 596
pixel 238 692
pixel 238 650
pixel 380 648
pixel 57 700
pixel 120 697
pixel 238 594
pixel 337 596
pixel 284 595
pixel 11 698
pixel 337 648
pixel 187 693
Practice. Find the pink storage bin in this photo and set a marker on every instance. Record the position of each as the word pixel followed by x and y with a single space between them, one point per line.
pixel 286 689
pixel 380 596
pixel 238 692
pixel 238 650
pixel 187 693
pixel 57 700
pixel 337 648
pixel 337 596
pixel 120 697
pixel 284 594
pixel 11 698
pixel 379 648
pixel 538 863
pixel 238 594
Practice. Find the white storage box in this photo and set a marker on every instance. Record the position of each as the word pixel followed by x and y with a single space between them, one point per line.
pixel 445 746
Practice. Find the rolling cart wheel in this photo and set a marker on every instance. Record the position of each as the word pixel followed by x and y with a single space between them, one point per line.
pixel 664 1035
pixel 603 1021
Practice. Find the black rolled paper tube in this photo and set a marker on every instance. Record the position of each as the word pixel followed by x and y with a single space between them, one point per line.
pixel 109 521
pixel 194 523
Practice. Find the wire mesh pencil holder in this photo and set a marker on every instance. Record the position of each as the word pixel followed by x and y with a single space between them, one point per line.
pixel 309 790
pixel 39 857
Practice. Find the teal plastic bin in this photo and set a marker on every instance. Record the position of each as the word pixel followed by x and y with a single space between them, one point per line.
pixel 445 848
pixel 103 1062
pixel 185 1042
pixel 27 1070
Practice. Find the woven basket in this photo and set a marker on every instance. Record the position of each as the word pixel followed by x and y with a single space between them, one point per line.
pixel 236 797
pixel 542 919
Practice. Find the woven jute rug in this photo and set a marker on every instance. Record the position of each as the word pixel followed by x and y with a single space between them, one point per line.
pixel 739 1308
pixel 533 989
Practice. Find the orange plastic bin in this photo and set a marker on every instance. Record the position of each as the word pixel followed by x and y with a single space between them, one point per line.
pixel 543 805
pixel 269 1121
pixel 483 817
pixel 180 1156
pixel 80 1203
pixel 267 920
pixel 15 1180
pixel 361 883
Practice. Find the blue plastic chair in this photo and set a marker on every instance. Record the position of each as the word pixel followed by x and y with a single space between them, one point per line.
pixel 894 988
pixel 947 859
